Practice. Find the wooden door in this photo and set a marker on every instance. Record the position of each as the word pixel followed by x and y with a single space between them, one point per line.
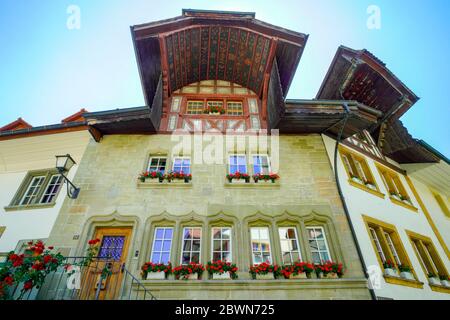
pixel 112 255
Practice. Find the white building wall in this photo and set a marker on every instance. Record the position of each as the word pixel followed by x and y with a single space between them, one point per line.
pixel 360 202
pixel 17 157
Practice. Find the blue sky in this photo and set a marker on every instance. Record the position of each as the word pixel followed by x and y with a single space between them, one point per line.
pixel 48 72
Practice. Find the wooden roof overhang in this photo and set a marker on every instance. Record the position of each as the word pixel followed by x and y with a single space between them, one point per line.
pixel 119 121
pixel 203 45
pixel 324 116
pixel 359 75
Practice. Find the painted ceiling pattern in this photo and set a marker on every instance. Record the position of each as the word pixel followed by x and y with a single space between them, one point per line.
pixel 217 52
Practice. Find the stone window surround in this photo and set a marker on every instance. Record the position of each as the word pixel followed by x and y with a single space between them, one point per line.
pixel 15 202
pixel 241 251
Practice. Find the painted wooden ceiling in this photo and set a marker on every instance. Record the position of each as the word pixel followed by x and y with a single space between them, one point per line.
pixel 217 52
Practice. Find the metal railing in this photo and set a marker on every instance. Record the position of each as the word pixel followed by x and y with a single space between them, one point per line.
pixel 102 279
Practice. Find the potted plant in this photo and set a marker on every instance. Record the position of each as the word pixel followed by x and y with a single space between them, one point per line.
pixel 222 270
pixel 356 178
pixel 239 177
pixel 155 271
pixel 405 272
pixel 390 269
pixel 445 280
pixel 264 271
pixel 191 271
pixel 370 185
pixel 214 110
pixel 178 176
pixel 265 177
pixel 405 199
pixel 329 270
pixel 151 175
pixel 433 279
pixel 299 270
pixel 395 195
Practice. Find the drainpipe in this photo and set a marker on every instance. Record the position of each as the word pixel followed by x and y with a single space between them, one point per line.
pixel 341 195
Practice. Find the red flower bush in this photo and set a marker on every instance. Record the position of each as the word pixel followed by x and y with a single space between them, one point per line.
pixel 29 268
pixel 265 268
pixel 330 267
pixel 297 268
pixel 184 271
pixel 237 175
pixel 222 267
pixel 155 267
pixel 266 177
pixel 388 264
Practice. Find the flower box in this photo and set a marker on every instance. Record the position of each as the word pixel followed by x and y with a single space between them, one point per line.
pixel 396 197
pixel 214 113
pixel 434 281
pixel 331 275
pixel 267 276
pixel 445 283
pixel 192 276
pixel 371 186
pixel 407 275
pixel 357 180
pixel 390 272
pixel 240 181
pixel 221 276
pixel 156 276
pixel 302 275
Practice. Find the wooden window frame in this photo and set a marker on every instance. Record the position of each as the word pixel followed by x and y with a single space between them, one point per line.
pixel 164 239
pixel 441 203
pixel 381 227
pixel 296 240
pixel 181 157
pixel 191 251
pixel 393 184
pixel 352 171
pixel 16 201
pixel 221 238
pixel 325 238
pixel 432 258
pixel 261 155
pixel 238 155
pixel 259 239
pixel 151 157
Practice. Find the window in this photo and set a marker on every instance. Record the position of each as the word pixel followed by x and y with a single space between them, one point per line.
pixel 30 195
pixel 260 245
pixel 386 243
pixel 261 164
pixel 38 188
pixel 441 203
pixel 194 107
pixel 357 168
pixel 234 108
pixel 191 245
pixel 182 164
pixel 221 244
pixel 318 245
pixel 162 245
pixel 238 163
pixel 52 188
pixel 157 164
pixel 428 256
pixel 290 250
pixel 395 187
pixel 2 230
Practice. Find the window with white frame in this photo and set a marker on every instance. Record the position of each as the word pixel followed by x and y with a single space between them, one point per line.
pixel 290 250
pixel 157 164
pixel 182 164
pixel 237 163
pixel 261 164
pixel 162 245
pixel 38 188
pixel 392 247
pixel 375 240
pixel 191 245
pixel 318 244
pixel 52 188
pixel 260 241
pixel 30 196
pixel 221 244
